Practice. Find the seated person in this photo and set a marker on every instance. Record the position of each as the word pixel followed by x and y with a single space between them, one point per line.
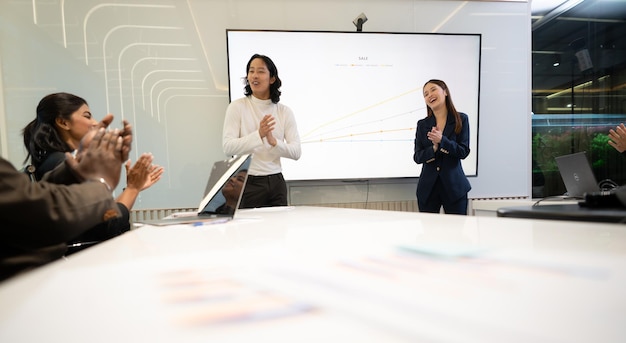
pixel 38 218
pixel 62 121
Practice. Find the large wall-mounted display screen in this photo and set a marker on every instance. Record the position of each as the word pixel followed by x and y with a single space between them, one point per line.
pixel 357 96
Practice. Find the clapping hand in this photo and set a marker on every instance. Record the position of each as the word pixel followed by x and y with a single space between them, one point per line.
pixel 99 156
pixel 126 134
pixel 617 138
pixel 143 174
pixel 434 135
pixel 266 127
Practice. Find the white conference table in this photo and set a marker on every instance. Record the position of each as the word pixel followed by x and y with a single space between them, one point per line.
pixel 307 274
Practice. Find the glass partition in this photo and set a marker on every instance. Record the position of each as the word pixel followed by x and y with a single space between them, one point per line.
pixel 579 91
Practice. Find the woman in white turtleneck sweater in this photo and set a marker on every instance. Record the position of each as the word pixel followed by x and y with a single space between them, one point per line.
pixel 257 124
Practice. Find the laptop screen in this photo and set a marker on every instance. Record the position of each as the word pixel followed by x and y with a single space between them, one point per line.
pixel 577 174
pixel 225 186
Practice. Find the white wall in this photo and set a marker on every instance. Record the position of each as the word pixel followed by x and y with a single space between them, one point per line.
pixel 162 65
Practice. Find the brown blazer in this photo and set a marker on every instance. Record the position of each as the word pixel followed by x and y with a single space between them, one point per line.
pixel 37 218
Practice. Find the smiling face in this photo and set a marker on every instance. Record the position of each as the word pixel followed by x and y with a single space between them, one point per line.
pixel 259 79
pixel 74 129
pixel 232 188
pixel 434 96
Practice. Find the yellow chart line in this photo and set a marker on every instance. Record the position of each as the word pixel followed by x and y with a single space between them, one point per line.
pixel 361 110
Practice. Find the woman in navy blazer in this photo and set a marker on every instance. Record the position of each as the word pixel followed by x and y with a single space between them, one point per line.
pixel 441 142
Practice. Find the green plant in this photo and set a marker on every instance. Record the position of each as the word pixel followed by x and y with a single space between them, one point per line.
pixel 600 148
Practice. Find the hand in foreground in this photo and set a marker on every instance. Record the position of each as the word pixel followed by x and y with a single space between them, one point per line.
pixel 99 156
pixel 143 174
pixel 127 134
pixel 617 138
pixel 127 137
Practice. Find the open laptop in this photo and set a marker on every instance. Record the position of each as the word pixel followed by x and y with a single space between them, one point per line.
pixel 222 196
pixel 577 174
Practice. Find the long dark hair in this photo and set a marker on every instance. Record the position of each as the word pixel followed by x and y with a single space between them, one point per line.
pixel 274 87
pixel 449 105
pixel 40 135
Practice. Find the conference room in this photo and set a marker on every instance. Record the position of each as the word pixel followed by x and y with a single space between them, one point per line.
pixel 351 257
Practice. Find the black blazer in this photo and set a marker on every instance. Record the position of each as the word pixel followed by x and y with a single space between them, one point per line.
pixel 444 163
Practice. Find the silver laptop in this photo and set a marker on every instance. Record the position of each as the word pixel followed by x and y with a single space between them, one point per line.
pixel 577 174
pixel 222 196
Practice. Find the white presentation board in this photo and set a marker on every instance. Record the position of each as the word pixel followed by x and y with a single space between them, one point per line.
pixel 357 96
